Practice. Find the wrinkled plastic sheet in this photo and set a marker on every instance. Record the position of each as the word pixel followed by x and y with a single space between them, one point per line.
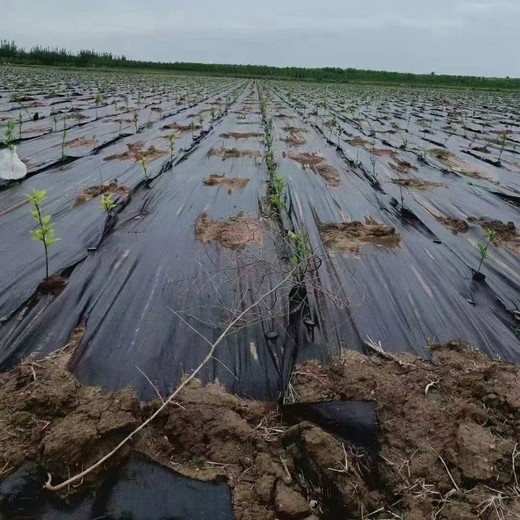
pixel 151 290
pixel 138 490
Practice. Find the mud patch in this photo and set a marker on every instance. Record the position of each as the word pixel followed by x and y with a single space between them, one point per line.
pixel 295 130
pixel 350 237
pixel 295 137
pixel 233 153
pixel 454 224
pixel 231 183
pixel 403 167
pixel 54 285
pixel 329 173
pixel 507 234
pixel 416 184
pixel 236 233
pixel 182 128
pixel 306 159
pixel 112 188
pixel 358 142
pixel 136 152
pixel 240 135
pixel 81 142
pixel 457 165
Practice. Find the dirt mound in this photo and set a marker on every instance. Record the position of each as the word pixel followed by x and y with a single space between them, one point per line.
pixel 449 430
pixel 448 436
pixel 137 152
pixel 233 153
pixel 349 237
pixel 112 188
pixel 231 183
pixel 236 233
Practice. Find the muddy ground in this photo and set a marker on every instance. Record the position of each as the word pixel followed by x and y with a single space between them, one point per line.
pixel 448 437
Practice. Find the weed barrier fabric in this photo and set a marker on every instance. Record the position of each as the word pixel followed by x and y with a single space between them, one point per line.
pixel 353 421
pixel 406 296
pixel 79 227
pixel 152 289
pixel 139 490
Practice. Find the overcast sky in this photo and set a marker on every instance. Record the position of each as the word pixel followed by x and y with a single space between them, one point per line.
pixel 477 37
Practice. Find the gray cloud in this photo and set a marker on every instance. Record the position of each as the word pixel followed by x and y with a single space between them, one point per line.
pixel 478 37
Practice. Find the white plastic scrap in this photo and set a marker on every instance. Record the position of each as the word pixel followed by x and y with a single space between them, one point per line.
pixel 11 167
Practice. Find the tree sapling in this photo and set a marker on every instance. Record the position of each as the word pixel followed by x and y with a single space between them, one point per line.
pixel 45 232
pixel 483 252
pixel 108 204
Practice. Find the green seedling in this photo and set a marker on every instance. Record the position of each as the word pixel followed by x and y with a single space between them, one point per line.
pixel 45 232
pixel 107 203
pixel 201 123
pixel 136 121
pixel 277 198
pixel 9 133
pixel 300 252
pixel 483 249
pixel 55 121
pixel 192 128
pixel 144 164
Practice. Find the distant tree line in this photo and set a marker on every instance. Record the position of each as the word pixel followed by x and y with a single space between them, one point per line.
pixel 37 55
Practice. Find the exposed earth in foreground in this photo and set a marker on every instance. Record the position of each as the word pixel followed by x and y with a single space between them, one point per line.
pixel 448 437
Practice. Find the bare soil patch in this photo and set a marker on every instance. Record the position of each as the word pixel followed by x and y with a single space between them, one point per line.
pixel 182 128
pixel 240 135
pixel 507 234
pixel 454 224
pixel 358 141
pixel 403 167
pixel 448 436
pixel 137 152
pixel 295 129
pixel 232 183
pixel 295 138
pixel 417 184
pixel 350 237
pixel 236 233
pixel 81 142
pixel 234 153
pixel 329 173
pixel 112 188
pixel 458 165
pixel 449 432
pixel 306 159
